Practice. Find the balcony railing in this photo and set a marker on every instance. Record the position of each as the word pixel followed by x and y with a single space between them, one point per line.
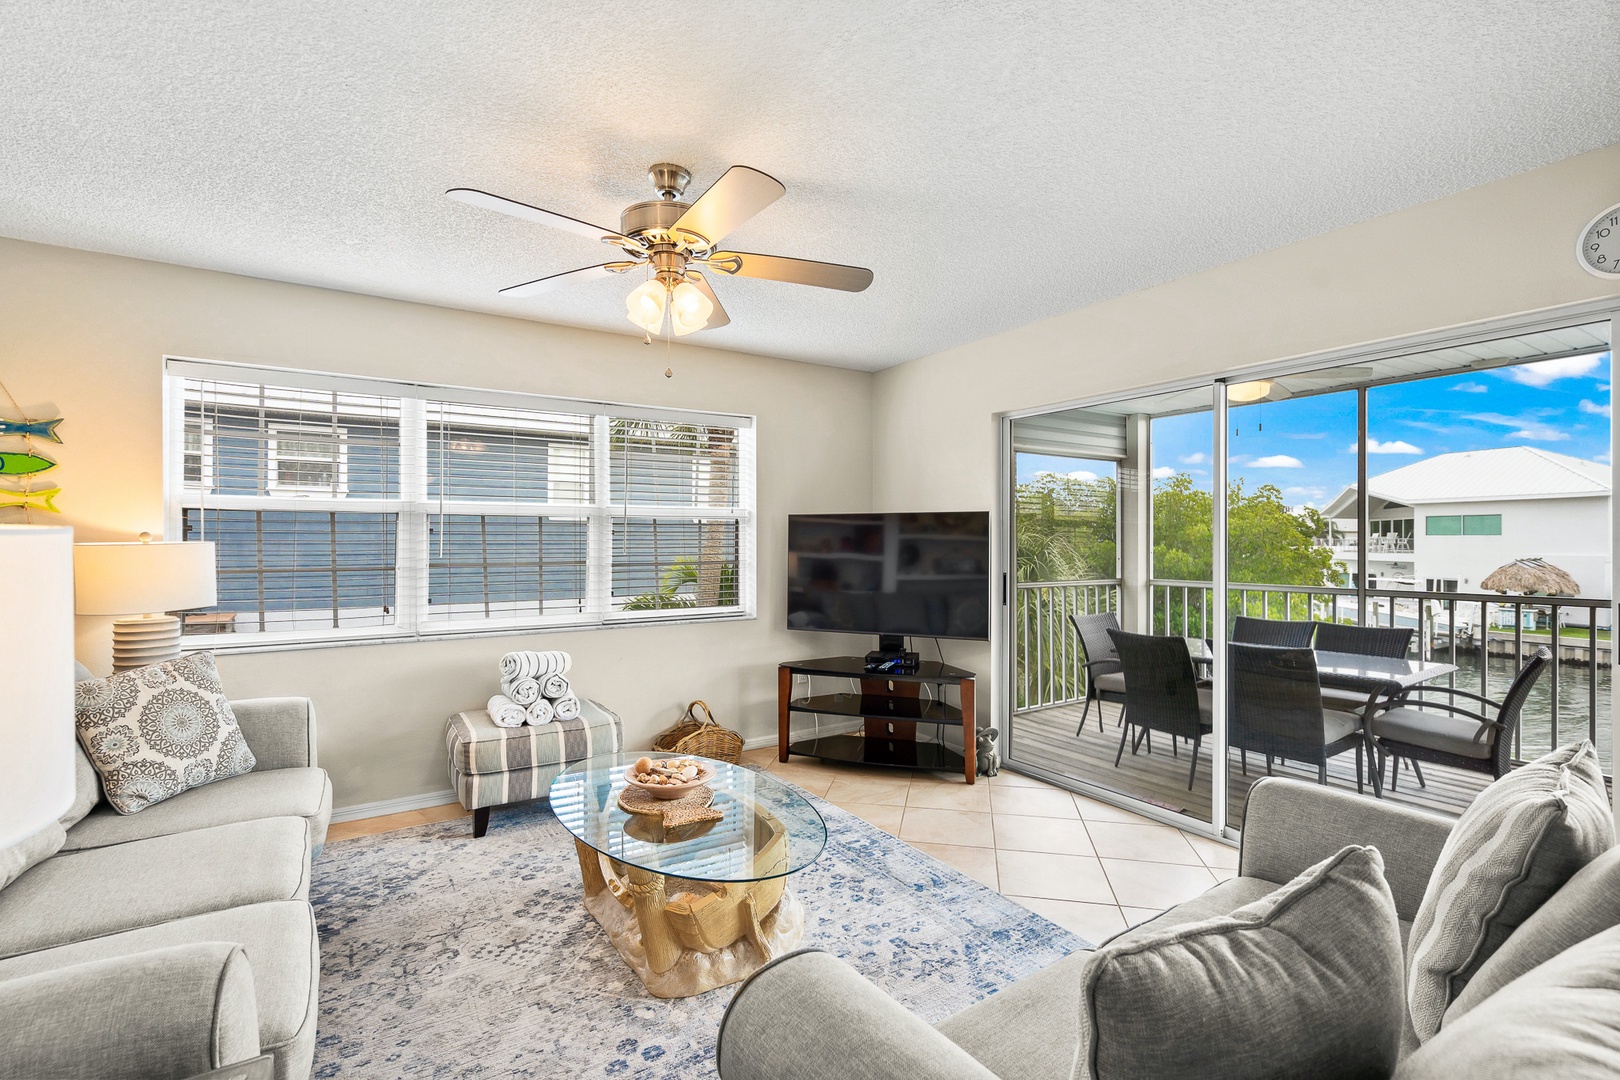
pixel 1050 663
pixel 1385 545
pixel 1468 629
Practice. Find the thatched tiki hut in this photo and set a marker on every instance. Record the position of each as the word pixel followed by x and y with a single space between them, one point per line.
pixel 1531 577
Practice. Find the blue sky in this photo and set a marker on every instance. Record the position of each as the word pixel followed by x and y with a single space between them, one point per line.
pixel 1306 446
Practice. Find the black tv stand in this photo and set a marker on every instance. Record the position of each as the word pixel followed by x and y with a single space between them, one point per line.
pixel 891 706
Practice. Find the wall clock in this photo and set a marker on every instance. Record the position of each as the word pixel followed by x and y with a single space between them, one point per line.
pixel 1598 247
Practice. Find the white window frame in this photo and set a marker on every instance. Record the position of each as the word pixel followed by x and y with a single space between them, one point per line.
pixel 415 509
pixel 300 433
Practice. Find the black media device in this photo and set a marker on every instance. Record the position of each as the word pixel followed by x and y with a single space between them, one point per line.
pixel 893 575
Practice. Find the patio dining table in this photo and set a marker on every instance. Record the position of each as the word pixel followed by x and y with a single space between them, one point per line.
pixel 1379 677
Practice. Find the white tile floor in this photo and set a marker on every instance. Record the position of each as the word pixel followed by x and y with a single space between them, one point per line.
pixel 1085 865
pixel 1091 867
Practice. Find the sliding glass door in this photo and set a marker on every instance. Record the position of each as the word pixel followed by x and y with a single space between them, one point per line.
pixel 1455 497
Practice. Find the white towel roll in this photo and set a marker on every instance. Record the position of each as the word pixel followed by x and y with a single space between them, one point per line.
pixel 541 712
pixel 556 687
pixel 506 712
pixel 523 691
pixel 567 707
pixel 535 665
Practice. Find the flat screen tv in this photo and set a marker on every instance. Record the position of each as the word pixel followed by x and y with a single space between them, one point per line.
pixel 924 575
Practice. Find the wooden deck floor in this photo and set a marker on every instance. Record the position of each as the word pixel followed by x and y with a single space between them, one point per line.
pixel 1046 739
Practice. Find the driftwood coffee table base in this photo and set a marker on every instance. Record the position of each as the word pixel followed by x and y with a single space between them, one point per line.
pixel 684 937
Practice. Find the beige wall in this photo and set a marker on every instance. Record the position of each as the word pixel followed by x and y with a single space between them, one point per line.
pixel 1494 250
pixel 84 334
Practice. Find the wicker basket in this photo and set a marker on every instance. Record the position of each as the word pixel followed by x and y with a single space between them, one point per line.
pixel 700 738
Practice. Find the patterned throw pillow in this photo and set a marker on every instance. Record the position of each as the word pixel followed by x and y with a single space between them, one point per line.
pixel 157 731
pixel 1517 844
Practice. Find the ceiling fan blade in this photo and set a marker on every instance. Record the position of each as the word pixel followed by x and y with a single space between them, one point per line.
pixel 474 197
pixel 738 195
pixel 719 317
pixel 799 271
pixel 571 277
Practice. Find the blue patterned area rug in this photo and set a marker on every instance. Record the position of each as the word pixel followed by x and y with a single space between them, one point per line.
pixel 444 956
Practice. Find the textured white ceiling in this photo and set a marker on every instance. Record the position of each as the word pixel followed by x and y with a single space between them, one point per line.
pixel 993 162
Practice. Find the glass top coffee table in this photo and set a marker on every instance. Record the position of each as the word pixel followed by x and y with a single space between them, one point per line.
pixel 697 906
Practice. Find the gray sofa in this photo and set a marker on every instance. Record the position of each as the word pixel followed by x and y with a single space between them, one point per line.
pixel 810 1016
pixel 180 939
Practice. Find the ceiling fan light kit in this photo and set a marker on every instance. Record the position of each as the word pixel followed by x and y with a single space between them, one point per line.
pixel 675 241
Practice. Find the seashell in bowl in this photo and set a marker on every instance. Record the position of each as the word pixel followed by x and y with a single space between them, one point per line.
pixel 669 778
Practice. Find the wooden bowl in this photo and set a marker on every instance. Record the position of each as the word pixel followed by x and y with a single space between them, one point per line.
pixel 706 773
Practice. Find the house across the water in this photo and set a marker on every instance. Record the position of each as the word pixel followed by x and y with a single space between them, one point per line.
pixel 1444 523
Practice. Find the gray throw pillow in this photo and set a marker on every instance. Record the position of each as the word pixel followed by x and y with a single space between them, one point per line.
pixel 1519 841
pixel 16 859
pixel 1303 982
pixel 1588 905
pixel 1557 1022
pixel 157 731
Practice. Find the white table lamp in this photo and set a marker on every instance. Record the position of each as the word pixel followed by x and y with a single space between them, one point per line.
pixel 140 582
pixel 36 725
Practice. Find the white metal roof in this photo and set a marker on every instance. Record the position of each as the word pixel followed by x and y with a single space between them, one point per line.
pixel 1509 472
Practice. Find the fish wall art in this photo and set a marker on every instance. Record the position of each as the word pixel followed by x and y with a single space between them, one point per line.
pixel 25 464
pixel 31 500
pixel 38 429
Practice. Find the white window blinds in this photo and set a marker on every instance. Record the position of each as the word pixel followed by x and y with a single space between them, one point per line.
pixel 360 508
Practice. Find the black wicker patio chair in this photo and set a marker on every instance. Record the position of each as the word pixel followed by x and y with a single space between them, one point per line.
pixel 1391 641
pixel 1103 679
pixel 1443 732
pixel 1161 693
pixel 1275 708
pixel 1292 635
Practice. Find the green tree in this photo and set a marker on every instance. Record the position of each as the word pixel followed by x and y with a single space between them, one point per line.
pixel 1067 528
pixel 1267 543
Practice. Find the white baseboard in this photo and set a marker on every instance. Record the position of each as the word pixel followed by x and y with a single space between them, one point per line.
pixel 393 806
pixel 439 798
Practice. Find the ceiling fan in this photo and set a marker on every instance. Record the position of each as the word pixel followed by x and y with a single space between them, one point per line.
pixel 676 242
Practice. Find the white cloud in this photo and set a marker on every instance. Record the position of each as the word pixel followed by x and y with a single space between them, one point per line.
pixel 1163 472
pixel 1595 409
pixel 1523 427
pixel 1195 459
pixel 1277 461
pixel 1470 388
pixel 1397 446
pixel 1547 372
pixel 1078 474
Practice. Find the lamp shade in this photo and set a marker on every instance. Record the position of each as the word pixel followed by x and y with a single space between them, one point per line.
pixel 141 579
pixel 36 725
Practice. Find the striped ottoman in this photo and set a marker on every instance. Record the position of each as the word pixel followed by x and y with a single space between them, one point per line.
pixel 492 765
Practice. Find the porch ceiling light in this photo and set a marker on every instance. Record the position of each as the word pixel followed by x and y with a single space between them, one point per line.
pixel 1245 392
